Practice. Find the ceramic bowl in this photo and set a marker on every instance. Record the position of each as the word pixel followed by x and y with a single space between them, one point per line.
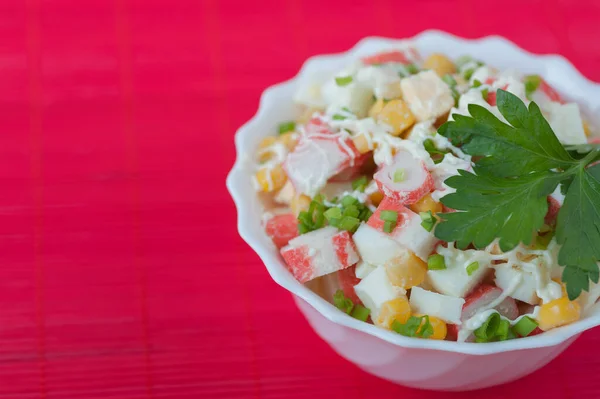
pixel 428 364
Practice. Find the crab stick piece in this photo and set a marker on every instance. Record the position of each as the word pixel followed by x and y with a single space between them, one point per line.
pixel 319 252
pixel 406 180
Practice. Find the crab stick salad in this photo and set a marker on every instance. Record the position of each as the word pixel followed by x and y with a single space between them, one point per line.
pixel 365 186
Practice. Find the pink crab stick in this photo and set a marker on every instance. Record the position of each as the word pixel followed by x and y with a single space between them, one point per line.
pixel 406 179
pixel 319 252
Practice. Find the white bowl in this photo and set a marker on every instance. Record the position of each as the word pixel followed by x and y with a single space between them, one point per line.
pixel 427 364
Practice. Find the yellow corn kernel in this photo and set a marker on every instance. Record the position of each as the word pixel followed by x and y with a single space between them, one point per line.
pixel 426 204
pixel 300 203
pixel 440 64
pixel 289 140
pixel 439 327
pixel 376 108
pixel 396 114
pixel 361 142
pixel 406 270
pixel 557 313
pixel 376 198
pixel 586 129
pixel 394 309
pixel 263 153
pixel 271 179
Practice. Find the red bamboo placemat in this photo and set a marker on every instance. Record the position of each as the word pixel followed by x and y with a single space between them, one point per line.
pixel 122 273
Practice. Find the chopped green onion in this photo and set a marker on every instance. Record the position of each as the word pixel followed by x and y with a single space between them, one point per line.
pixel 351 210
pixel 360 312
pixel 463 60
pixel 314 217
pixel 476 83
pixel 338 117
pixel 427 220
pixel 348 200
pixel 532 82
pixel 343 80
pixel 485 93
pixel 398 175
pixel 472 268
pixel 348 223
pixel 436 262
pixel 365 214
pixel 333 213
pixel 489 328
pixel 389 216
pixel 341 302
pixel 412 69
pixel 449 80
pixel 360 184
pixel 389 226
pixel 455 95
pixel 525 326
pixel 468 73
pixel 287 127
pixel 503 330
pixel 414 327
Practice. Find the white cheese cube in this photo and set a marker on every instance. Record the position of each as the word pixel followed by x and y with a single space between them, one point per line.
pixel 411 235
pixel 375 247
pixel 383 80
pixel 376 289
pixel 354 96
pixel 565 120
pixel 525 291
pixel 286 194
pixel 427 95
pixel 363 269
pixel 310 95
pixel 429 303
pixel 454 280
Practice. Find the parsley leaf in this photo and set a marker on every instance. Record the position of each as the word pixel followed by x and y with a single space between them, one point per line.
pixel 578 231
pixel 510 209
pixel 529 145
pixel 516 167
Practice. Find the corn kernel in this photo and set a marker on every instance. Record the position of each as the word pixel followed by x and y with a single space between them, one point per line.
pixel 394 309
pixel 426 204
pixel 376 108
pixel 557 313
pixel 376 198
pixel 271 179
pixel 361 143
pixel 440 64
pixel 289 140
pixel 300 203
pixel 406 270
pixel 586 129
pixel 396 114
pixel 263 153
pixel 440 329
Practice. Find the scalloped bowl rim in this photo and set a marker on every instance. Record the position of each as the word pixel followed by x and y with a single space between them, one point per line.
pixel 274 263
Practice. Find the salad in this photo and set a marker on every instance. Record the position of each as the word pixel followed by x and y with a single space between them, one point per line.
pixel 448 199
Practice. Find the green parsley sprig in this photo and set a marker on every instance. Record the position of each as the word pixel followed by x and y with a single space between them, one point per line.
pixel 517 166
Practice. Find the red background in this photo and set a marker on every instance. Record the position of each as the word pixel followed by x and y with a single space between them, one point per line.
pixel 122 273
